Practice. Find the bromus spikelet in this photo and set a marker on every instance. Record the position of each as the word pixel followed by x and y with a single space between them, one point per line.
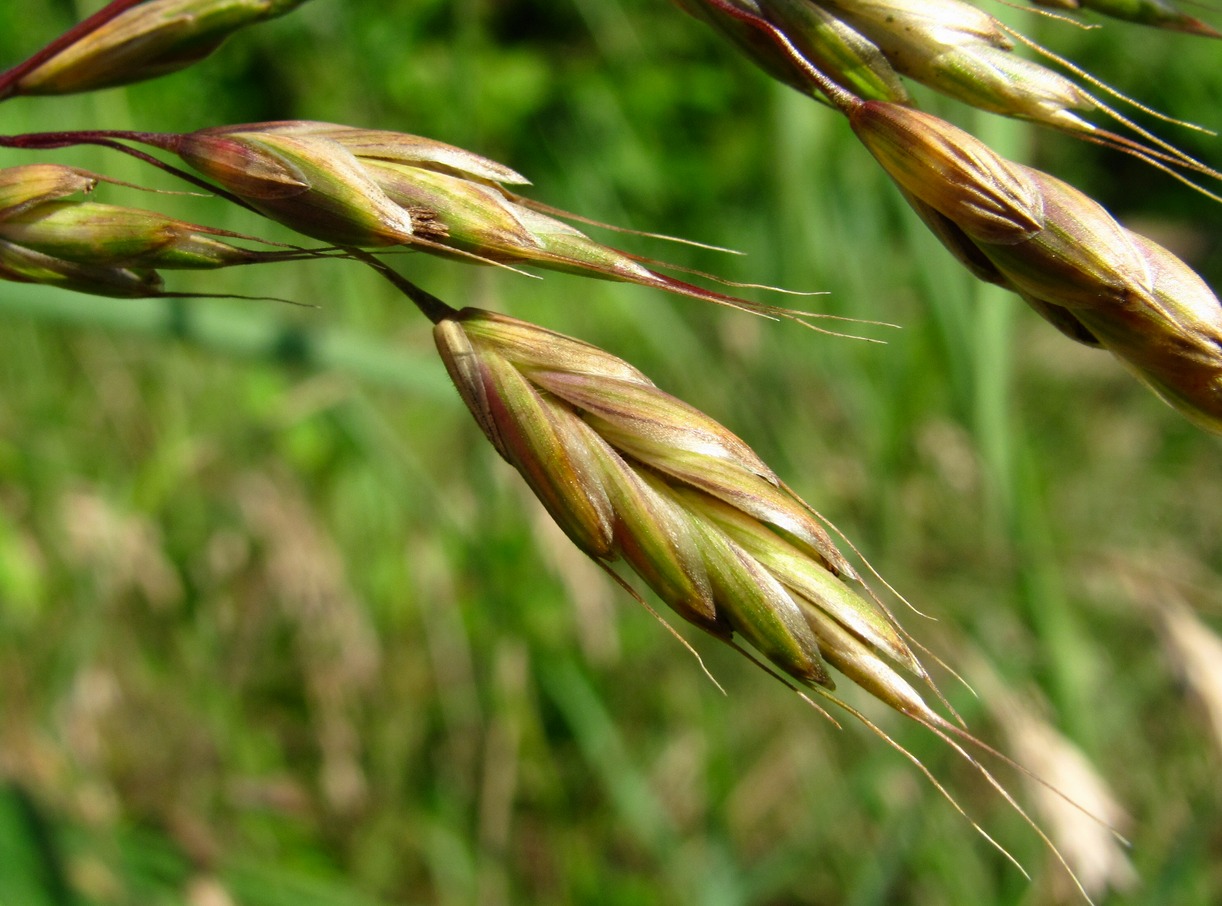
pixel 110 250
pixel 377 189
pixel 637 477
pixel 633 474
pixel 29 185
pixel 1061 251
pixel 148 40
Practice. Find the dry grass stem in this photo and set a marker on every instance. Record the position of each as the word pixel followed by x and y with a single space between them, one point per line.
pixel 1195 652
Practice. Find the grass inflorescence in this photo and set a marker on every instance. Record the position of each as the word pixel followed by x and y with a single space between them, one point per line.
pixel 272 632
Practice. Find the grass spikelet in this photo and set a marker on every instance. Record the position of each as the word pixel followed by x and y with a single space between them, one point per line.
pixel 105 249
pixel 111 235
pixel 312 177
pixel 23 265
pixel 148 40
pixel 633 475
pixel 375 189
pixel 27 186
pixel 1061 251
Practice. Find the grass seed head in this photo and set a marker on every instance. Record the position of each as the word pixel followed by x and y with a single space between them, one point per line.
pixel 113 236
pixel 463 194
pixel 847 51
pixel 633 474
pixel 373 188
pixel 146 41
pixel 104 249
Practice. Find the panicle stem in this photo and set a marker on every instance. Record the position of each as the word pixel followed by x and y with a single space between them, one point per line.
pixel 430 306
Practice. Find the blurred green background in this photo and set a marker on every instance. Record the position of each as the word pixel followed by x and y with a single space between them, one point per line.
pixel 277 626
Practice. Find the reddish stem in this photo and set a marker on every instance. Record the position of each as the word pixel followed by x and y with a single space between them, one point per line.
pixel 107 138
pixel 166 141
pixel 430 306
pixel 10 78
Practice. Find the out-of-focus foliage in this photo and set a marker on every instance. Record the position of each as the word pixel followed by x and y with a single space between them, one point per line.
pixel 274 634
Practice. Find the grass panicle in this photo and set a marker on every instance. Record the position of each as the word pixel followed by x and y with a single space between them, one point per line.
pixel 652 491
